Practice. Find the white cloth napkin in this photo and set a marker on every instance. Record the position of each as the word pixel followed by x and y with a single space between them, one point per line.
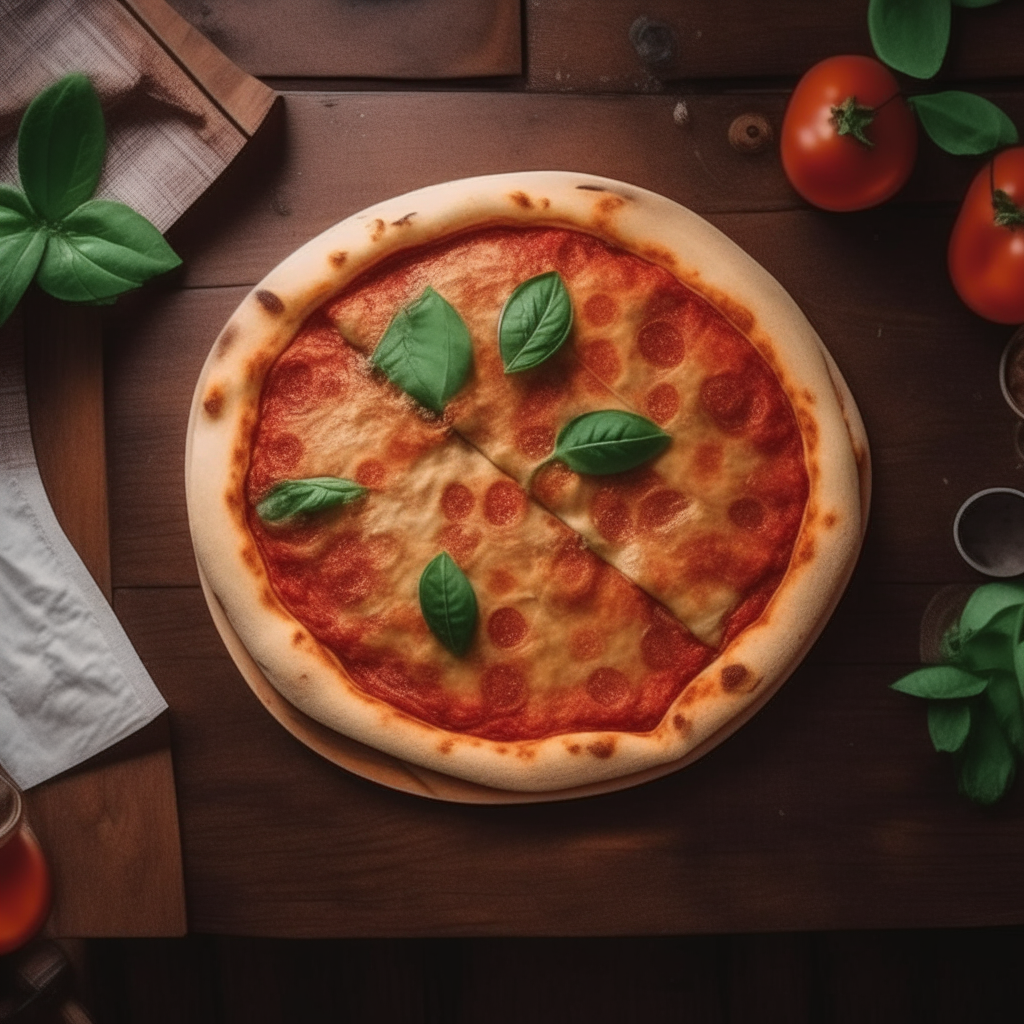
pixel 71 684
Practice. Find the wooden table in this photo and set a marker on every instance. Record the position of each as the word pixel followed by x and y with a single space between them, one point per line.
pixel 829 810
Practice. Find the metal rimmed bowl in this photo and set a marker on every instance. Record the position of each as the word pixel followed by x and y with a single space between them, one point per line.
pixel 989 531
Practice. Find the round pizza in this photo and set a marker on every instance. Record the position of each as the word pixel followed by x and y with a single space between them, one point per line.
pixel 535 480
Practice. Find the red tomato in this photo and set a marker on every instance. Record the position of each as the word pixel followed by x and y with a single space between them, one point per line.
pixel 986 258
pixel 839 171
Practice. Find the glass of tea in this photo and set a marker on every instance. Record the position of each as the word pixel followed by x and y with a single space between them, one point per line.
pixel 24 876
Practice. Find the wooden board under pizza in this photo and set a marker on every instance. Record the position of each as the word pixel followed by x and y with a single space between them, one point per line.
pixel 535 481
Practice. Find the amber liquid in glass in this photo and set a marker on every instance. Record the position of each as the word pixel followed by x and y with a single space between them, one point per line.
pixel 24 876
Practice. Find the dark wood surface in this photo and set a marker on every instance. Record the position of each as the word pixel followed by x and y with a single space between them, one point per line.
pixel 352 38
pixel 581 46
pixel 891 977
pixel 829 810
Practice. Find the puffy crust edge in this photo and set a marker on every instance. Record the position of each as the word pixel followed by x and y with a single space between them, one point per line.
pixel 747 672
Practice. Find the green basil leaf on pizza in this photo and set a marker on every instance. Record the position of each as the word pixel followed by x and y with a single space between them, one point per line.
pixel 609 441
pixel 448 604
pixel 534 322
pixel 302 497
pixel 426 351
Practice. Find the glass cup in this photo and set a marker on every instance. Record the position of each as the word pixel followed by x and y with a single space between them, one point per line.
pixel 24 876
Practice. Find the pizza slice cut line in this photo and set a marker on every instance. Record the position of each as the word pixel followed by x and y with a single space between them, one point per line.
pixel 696 591
pixel 589 597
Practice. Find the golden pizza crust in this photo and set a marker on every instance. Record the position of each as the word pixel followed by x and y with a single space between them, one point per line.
pixel 745 674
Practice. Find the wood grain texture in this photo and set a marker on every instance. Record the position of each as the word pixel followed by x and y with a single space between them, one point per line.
pixel 335 154
pixel 747 839
pixel 110 832
pixel 580 46
pixel 243 98
pixel 64 383
pixel 353 39
pixel 110 827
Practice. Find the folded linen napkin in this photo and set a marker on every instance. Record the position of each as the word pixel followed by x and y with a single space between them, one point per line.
pixel 70 683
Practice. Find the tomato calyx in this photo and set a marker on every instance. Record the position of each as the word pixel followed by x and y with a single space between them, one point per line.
pixel 852 118
pixel 1007 213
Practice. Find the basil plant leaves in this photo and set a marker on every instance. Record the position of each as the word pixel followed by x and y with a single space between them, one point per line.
pixel 976 698
pixel 913 36
pixel 78 248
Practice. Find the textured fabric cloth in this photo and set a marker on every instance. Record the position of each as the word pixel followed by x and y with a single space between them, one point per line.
pixel 166 140
pixel 70 682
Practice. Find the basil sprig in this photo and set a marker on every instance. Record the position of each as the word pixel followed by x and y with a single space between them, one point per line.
pixel 426 350
pixel 448 604
pixel 78 248
pixel 912 36
pixel 299 497
pixel 609 441
pixel 534 322
pixel 976 699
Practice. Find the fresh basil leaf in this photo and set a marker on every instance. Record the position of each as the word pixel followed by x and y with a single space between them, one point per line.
pixel 988 601
pixel 988 764
pixel 962 123
pixel 301 497
pixel 1018 651
pixel 426 351
pixel 103 248
pixel 910 35
pixel 609 441
pixel 949 722
pixel 986 651
pixel 940 682
pixel 534 322
pixel 448 604
pixel 1004 696
pixel 16 213
pixel 61 145
pixel 22 242
pixel 20 254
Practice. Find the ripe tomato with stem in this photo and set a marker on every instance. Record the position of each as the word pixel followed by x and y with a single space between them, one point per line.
pixel 849 138
pixel 986 249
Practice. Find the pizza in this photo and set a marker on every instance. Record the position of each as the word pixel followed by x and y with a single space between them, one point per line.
pixel 534 480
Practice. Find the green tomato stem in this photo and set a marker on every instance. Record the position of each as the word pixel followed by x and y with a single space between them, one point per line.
pixel 851 118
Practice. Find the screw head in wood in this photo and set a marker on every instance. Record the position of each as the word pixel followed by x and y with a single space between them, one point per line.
pixel 750 133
